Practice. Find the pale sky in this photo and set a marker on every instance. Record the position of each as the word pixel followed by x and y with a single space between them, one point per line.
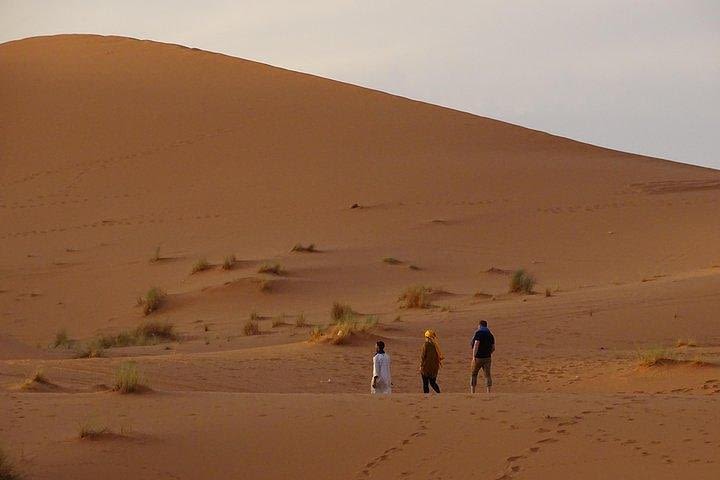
pixel 636 75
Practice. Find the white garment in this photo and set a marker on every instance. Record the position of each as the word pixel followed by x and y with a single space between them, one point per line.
pixel 381 369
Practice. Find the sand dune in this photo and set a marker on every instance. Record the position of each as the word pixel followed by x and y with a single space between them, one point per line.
pixel 116 150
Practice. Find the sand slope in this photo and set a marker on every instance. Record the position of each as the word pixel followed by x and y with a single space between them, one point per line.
pixel 112 147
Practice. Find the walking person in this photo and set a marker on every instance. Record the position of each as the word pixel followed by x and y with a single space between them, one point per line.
pixel 381 381
pixel 430 360
pixel 483 346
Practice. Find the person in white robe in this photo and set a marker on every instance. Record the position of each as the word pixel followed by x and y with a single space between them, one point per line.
pixel 381 381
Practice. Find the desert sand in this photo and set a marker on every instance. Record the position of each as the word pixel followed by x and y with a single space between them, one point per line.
pixel 125 162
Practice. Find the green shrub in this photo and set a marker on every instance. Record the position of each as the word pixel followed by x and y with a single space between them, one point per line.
pixel 522 282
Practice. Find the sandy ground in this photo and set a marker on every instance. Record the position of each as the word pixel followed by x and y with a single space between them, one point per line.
pixel 112 147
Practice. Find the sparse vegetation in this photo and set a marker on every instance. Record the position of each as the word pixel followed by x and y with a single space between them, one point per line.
pixel 252 325
pixel 391 261
pixel 229 262
pixel 655 356
pixel 415 297
pixel 92 431
pixel 156 255
pixel 300 321
pixel 127 378
pixel 200 266
pixel 271 268
pixel 522 282
pixel 414 267
pixel 279 322
pixel 147 333
pixel 340 311
pixel 152 300
pixel 686 342
pixel 341 331
pixel 299 247
pixel 7 471
pixel 548 292
pixel 36 378
pixel 62 339
pixel 265 286
pixel 91 349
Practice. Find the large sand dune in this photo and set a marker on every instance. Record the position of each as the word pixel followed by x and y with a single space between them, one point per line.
pixel 111 147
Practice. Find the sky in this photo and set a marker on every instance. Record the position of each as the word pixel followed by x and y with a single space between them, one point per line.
pixel 635 75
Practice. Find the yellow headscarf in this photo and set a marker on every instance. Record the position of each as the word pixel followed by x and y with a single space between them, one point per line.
pixel 431 336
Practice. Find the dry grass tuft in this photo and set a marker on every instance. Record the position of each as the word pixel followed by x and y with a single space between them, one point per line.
pixel 229 262
pixel 200 266
pixel 340 332
pixel 391 261
pixel 522 282
pixel 414 267
pixel 91 349
pixel 340 311
pixel 271 269
pixel 686 342
pixel 299 247
pixel 252 325
pixel 279 322
pixel 93 431
pixel 62 339
pixel 7 471
pixel 147 333
pixel 301 321
pixel 655 356
pixel 127 378
pixel 548 292
pixel 152 300
pixel 37 378
pixel 415 297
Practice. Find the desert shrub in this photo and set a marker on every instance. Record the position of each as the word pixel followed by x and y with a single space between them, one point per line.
pixel 340 310
pixel 252 325
pixel 391 261
pixel 301 321
pixel 415 297
pixel 153 332
pixel 36 378
pixel 62 339
pixel 686 342
pixel 340 332
pixel 200 266
pixel 548 292
pixel 654 356
pixel 279 322
pixel 91 349
pixel 299 247
pixel 152 300
pixel 127 378
pixel 271 268
pixel 229 262
pixel 316 333
pixel 522 282
pixel 92 431
pixel 414 267
pixel 7 471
